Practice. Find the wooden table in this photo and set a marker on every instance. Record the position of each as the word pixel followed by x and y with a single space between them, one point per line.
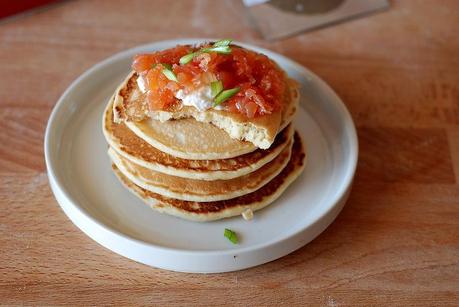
pixel 395 242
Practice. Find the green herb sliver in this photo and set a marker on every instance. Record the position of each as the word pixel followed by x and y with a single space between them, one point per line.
pixel 218 49
pixel 216 87
pixel 221 46
pixel 169 74
pixel 187 58
pixel 225 95
pixel 223 42
pixel 231 235
pixel 167 66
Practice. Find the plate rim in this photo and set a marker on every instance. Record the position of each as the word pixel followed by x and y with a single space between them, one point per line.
pixel 340 196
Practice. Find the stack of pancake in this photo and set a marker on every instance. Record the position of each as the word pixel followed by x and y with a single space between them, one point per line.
pixel 188 167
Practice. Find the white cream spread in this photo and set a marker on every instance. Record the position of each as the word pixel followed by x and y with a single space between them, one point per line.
pixel 200 98
pixel 141 84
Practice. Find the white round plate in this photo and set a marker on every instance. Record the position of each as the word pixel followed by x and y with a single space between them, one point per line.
pixel 89 193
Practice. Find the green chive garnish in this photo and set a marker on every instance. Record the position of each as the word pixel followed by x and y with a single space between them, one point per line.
pixel 169 74
pixel 216 87
pixel 231 235
pixel 222 46
pixel 167 66
pixel 218 49
pixel 223 42
pixel 225 95
pixel 187 58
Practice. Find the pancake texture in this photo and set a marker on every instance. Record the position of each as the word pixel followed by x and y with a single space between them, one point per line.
pixel 130 146
pixel 210 211
pixel 200 190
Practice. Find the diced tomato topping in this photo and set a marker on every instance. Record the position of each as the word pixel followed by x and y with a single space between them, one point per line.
pixel 161 90
pixel 261 82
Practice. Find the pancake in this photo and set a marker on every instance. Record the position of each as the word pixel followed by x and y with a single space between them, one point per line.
pixel 209 211
pixel 200 190
pixel 260 131
pixel 130 146
pixel 190 138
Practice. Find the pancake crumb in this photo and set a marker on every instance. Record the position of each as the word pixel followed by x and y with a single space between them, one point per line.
pixel 247 214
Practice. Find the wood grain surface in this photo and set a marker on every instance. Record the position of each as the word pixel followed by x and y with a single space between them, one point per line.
pixel 396 241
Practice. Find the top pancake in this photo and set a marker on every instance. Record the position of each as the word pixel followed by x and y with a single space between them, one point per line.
pixel 260 131
pixel 196 139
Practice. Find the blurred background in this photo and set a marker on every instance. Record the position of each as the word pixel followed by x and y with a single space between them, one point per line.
pixel 386 64
pixel 395 65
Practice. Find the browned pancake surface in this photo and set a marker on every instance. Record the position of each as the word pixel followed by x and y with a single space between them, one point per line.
pixel 296 162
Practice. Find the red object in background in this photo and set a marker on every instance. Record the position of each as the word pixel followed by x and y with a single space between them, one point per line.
pixel 11 7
